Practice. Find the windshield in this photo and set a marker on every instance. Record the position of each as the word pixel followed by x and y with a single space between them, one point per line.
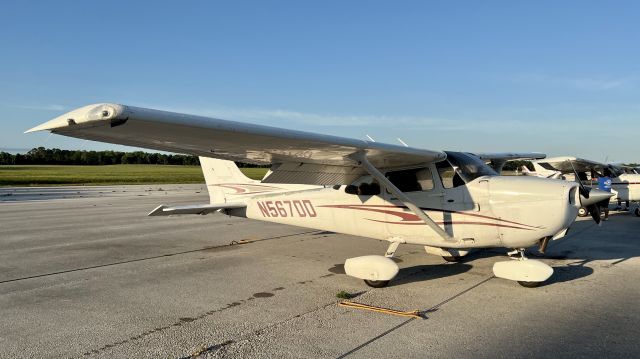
pixel 614 171
pixel 468 166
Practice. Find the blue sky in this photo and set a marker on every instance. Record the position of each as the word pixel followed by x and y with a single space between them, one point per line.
pixel 560 77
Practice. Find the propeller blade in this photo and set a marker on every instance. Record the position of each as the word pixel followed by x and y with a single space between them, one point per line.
pixel 594 210
pixel 589 197
pixel 577 179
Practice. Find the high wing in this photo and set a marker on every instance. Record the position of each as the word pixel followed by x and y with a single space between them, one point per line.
pixel 497 160
pixel 567 164
pixel 297 157
pixel 622 168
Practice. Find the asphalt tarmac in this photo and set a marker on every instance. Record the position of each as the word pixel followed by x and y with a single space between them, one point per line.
pixel 84 273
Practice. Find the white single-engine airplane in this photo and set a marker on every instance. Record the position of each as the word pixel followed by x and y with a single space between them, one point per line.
pixel 625 182
pixel 448 202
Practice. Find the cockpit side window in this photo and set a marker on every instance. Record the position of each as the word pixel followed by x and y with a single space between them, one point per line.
pixel 468 167
pixel 413 180
pixel 448 175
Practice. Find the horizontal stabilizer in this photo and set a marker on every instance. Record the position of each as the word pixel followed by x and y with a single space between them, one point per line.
pixel 163 210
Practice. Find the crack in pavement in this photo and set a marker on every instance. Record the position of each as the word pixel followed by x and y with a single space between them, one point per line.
pixel 215 347
pixel 186 320
pixel 208 248
pixel 432 309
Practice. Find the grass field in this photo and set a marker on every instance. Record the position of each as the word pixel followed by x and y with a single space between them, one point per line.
pixel 106 175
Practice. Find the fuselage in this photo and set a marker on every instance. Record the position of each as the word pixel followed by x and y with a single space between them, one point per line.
pixel 490 211
pixel 626 187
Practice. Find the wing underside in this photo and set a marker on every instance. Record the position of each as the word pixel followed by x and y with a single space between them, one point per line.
pixel 498 160
pixel 298 157
pixel 568 164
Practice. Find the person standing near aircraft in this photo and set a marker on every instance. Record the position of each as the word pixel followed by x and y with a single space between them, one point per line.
pixel 604 184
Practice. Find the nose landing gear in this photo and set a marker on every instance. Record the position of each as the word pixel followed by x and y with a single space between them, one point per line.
pixel 527 272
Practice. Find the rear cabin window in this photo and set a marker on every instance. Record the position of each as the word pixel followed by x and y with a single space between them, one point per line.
pixel 413 180
pixel 365 186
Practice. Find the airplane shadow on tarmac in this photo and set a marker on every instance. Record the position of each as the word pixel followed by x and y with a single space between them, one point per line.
pixel 419 273
pixel 586 243
pixel 428 272
pixel 561 272
pixel 613 243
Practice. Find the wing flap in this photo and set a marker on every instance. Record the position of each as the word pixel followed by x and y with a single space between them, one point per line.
pixel 310 173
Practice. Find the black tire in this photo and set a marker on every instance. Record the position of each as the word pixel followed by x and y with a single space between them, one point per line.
pixel 582 212
pixel 452 258
pixel 376 283
pixel 529 284
pixel 637 211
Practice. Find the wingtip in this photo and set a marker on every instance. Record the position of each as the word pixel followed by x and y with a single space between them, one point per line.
pixel 40 127
pixel 83 115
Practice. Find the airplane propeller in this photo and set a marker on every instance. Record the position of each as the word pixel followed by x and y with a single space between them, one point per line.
pixel 589 197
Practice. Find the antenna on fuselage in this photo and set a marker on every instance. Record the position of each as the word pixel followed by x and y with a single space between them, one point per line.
pixel 370 138
pixel 403 143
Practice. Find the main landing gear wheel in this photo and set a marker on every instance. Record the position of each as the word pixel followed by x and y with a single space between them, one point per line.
pixel 529 284
pixel 637 211
pixel 452 258
pixel 582 212
pixel 376 283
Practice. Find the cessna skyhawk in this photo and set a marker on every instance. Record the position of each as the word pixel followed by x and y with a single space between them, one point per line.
pixel 448 202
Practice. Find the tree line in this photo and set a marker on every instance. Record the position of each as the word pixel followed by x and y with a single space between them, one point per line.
pixel 55 156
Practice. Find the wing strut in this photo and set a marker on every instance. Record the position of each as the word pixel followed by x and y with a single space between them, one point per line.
pixel 373 171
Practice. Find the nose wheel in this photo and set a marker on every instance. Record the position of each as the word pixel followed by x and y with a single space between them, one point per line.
pixel 529 273
pixel 529 284
pixel 582 212
pixel 376 283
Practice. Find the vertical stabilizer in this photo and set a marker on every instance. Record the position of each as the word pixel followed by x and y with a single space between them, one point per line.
pixel 220 176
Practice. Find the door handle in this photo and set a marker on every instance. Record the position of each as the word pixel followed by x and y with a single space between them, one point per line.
pixel 450 200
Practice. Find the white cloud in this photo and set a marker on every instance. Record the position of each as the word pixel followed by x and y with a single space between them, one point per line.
pixel 41 107
pixel 594 83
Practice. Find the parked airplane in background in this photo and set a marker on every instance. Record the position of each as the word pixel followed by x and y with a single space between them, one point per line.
pixel 625 181
pixel 448 202
pixel 498 160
